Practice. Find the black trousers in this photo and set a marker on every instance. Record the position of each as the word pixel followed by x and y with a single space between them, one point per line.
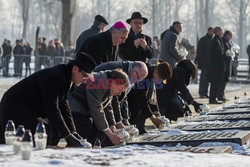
pixel 221 90
pixel 86 128
pixel 214 89
pixel 203 85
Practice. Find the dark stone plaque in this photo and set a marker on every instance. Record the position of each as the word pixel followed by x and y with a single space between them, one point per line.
pixel 194 139
pixel 213 150
pixel 229 111
pixel 215 126
pixel 230 117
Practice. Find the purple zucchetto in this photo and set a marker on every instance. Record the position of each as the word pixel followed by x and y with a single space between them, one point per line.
pixel 119 24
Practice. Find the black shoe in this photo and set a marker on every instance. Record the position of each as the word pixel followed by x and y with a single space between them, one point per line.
pixel 214 102
pixel 204 96
pixel 223 99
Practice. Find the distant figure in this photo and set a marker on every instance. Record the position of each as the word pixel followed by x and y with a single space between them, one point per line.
pixel 169 44
pixel 27 58
pixel 227 37
pixel 7 49
pixel 18 58
pixel 98 26
pixel 202 58
pixel 217 66
pixel 138 45
pixel 248 53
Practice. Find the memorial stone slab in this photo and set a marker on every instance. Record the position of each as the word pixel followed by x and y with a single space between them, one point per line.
pixel 213 150
pixel 230 117
pixel 215 126
pixel 229 111
pixel 195 139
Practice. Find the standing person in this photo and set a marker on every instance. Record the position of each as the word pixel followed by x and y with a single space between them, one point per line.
pixel 43 96
pixel 248 53
pixel 137 47
pixel 227 37
pixel 169 44
pixel 7 49
pixel 42 51
pixel 98 26
pixel 103 46
pixel 217 66
pixel 51 53
pixel 18 52
pixel 202 58
pixel 27 58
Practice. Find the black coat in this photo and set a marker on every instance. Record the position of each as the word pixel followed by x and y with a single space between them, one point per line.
pixel 217 66
pixel 93 30
pixel 42 94
pixel 100 47
pixel 203 50
pixel 128 51
pixel 139 97
pixel 178 83
pixel 227 46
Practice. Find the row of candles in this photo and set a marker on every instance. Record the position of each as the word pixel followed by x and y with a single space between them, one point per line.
pixel 21 139
pixel 22 142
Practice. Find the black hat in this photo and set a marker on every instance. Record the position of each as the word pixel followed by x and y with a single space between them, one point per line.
pixel 86 63
pixel 137 15
pixel 101 19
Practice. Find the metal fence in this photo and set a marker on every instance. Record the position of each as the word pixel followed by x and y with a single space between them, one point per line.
pixel 18 65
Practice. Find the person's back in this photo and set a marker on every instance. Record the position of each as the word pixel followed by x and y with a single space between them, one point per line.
pixel 97 27
pixel 169 51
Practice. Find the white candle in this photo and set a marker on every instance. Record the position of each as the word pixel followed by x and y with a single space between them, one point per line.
pixel 26 148
pixel 40 144
pixel 16 147
pixel 10 139
pixel 26 154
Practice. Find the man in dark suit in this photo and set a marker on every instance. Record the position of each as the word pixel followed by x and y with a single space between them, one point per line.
pixel 98 26
pixel 202 58
pixel 42 96
pixel 103 46
pixel 138 45
pixel 217 66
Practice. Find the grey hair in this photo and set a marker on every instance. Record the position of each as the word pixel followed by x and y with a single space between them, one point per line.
pixel 139 64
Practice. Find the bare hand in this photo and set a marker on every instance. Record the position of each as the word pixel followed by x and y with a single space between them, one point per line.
pixel 156 121
pixel 125 122
pixel 119 125
pixel 112 128
pixel 115 139
pixel 137 43
pixel 143 42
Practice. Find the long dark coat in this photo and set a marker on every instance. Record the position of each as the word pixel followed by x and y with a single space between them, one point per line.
pixel 93 30
pixel 42 94
pixel 203 51
pixel 217 66
pixel 178 83
pixel 227 46
pixel 100 47
pixel 128 51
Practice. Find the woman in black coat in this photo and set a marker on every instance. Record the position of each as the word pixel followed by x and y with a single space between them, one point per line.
pixel 178 83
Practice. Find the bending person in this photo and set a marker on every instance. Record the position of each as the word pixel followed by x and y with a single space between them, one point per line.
pixel 182 74
pixel 44 95
pixel 91 104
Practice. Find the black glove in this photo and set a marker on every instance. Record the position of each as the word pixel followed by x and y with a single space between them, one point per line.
pixel 76 135
pixel 72 141
pixel 197 107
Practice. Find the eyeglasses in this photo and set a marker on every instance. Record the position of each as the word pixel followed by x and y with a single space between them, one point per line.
pixel 138 78
pixel 137 23
pixel 84 74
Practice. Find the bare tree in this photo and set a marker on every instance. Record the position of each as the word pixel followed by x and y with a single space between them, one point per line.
pixel 67 14
pixel 25 15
